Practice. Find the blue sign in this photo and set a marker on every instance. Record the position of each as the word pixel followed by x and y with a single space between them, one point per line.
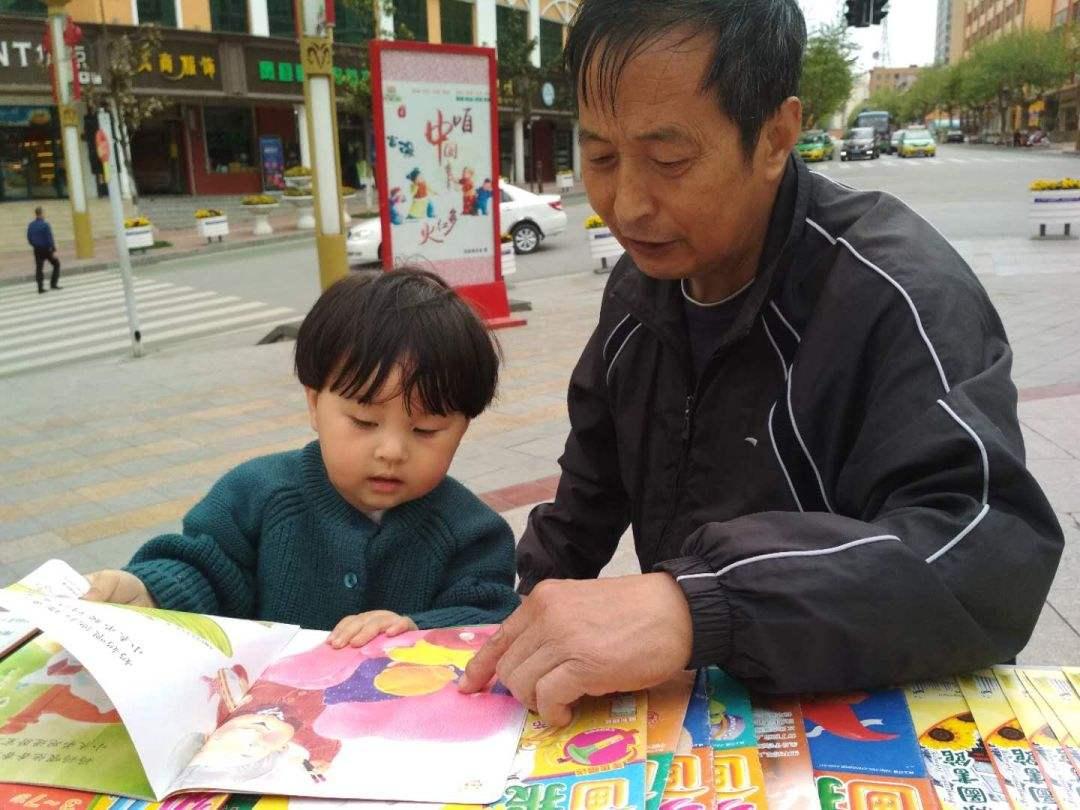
pixel 22 116
pixel 272 160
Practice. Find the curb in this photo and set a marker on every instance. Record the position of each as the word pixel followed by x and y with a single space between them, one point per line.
pixel 146 260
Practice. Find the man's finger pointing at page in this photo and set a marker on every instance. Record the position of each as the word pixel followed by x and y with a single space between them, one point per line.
pixel 481 669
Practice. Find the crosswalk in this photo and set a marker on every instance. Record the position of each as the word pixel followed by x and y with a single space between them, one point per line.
pixel 87 318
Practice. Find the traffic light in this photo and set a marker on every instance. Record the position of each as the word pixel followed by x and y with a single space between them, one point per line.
pixel 864 13
pixel 880 11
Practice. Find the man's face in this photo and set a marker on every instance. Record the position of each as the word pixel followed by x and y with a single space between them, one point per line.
pixel 666 170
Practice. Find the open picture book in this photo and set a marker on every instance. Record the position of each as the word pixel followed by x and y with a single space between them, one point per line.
pixel 149 703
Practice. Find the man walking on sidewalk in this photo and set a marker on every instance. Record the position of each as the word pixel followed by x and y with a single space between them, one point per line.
pixel 40 237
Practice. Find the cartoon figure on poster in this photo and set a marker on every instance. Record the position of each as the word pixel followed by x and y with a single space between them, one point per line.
pixel 397 202
pixel 422 205
pixel 483 198
pixel 304 706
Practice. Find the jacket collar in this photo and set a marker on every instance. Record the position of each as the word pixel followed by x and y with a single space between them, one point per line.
pixel 658 304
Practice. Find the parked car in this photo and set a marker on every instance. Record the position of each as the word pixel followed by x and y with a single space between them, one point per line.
pixel 894 141
pixel 917 141
pixel 859 143
pixel 815 145
pixel 528 218
pixel 954 136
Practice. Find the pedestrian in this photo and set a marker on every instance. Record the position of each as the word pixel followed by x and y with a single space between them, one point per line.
pixel 40 236
pixel 798 396
pixel 361 531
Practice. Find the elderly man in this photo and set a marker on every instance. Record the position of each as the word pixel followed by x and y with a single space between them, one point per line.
pixel 798 396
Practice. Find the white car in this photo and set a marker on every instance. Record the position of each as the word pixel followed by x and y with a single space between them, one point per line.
pixel 528 218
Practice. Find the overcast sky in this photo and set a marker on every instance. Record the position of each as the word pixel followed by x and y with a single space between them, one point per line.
pixel 911 26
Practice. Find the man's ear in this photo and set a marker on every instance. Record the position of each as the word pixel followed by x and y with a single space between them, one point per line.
pixel 779 135
pixel 312 397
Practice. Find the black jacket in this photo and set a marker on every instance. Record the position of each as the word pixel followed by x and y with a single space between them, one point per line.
pixel 842 496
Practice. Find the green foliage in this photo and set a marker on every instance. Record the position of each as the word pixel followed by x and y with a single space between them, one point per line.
pixel 828 75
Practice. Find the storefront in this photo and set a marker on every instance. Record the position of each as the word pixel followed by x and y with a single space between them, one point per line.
pixel 548 138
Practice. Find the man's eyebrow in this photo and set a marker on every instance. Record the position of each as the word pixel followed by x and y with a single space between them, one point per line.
pixel 588 136
pixel 659 135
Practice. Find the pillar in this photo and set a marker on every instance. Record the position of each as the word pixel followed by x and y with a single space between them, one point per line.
pixel 486 27
pixel 519 149
pixel 302 131
pixel 434 21
pixel 533 31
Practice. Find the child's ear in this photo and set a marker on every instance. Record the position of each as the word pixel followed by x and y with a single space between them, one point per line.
pixel 312 396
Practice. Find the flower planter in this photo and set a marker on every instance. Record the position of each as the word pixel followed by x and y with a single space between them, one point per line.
pixel 566 181
pixel 262 218
pixel 305 211
pixel 509 258
pixel 298 182
pixel 209 228
pixel 346 217
pixel 1056 208
pixel 604 247
pixel 139 238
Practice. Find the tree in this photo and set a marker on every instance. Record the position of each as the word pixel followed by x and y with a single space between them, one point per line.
pixel 888 99
pixel 828 75
pixel 517 73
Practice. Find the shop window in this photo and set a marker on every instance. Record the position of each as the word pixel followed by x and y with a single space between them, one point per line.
pixel 550 42
pixel 282 23
pixel 355 22
pixel 457 22
pixel 410 19
pixel 161 12
pixel 31 158
pixel 23 8
pixel 229 15
pixel 230 146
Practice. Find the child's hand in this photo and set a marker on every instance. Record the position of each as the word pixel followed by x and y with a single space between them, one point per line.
pixel 358 630
pixel 118 587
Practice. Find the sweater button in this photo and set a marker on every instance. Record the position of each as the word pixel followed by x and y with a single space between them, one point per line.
pixel 350 580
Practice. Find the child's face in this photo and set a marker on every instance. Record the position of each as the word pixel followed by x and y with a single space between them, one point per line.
pixel 379 455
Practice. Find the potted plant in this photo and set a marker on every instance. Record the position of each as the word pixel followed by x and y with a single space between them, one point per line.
pixel 298 177
pixel 565 179
pixel 509 257
pixel 210 222
pixel 138 233
pixel 1055 202
pixel 602 245
pixel 301 198
pixel 260 205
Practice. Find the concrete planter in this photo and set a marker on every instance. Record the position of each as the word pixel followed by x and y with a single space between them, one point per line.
pixel 305 211
pixel 566 181
pixel 603 247
pixel 262 218
pixel 509 258
pixel 1059 208
pixel 298 182
pixel 139 238
pixel 212 227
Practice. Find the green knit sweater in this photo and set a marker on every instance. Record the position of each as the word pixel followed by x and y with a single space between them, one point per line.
pixel 274 540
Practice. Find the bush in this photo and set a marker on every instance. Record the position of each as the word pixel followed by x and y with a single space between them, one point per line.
pixel 259 199
pixel 594 221
pixel 136 222
pixel 1056 185
pixel 207 213
pixel 298 171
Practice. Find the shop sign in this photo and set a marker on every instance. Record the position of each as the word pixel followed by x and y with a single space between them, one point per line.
pixel 276 73
pixel 23 59
pixel 272 160
pixel 186 65
pixel 20 116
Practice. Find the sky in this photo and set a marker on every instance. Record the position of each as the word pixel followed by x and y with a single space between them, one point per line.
pixel 910 26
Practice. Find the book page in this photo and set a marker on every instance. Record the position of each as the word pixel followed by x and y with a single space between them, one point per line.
pixel 172 677
pixel 54 577
pixel 363 723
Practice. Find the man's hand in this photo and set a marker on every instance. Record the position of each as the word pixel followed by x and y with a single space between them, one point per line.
pixel 118 587
pixel 572 638
pixel 358 630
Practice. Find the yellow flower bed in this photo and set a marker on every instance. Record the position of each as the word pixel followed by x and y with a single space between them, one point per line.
pixel 207 213
pixel 259 199
pixel 594 221
pixel 1055 185
pixel 136 222
pixel 298 171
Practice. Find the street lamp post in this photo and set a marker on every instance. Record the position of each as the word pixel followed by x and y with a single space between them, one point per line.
pixel 63 76
pixel 316 19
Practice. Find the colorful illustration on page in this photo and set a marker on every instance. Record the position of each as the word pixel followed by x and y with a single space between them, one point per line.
pixel 784 752
pixel 865 752
pixel 319 719
pixel 26 797
pixel 738 781
pixel 1009 748
pixel 1063 703
pixel 185 801
pixel 690 780
pixel 58 727
pixel 1049 753
pixel 667 710
pixel 956 759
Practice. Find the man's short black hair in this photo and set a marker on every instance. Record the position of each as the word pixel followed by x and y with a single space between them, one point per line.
pixel 757 50
pixel 39 211
pixel 365 325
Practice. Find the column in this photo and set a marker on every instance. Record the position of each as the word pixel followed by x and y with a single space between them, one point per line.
pixel 576 147
pixel 384 20
pixel 519 149
pixel 434 21
pixel 533 31
pixel 69 129
pixel 486 29
pixel 301 127
pixel 258 18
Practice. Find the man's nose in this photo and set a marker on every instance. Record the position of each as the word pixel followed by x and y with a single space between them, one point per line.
pixel 634 201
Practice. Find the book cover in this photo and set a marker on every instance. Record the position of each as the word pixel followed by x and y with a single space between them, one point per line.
pixel 667 709
pixel 1062 706
pixel 690 781
pixel 956 760
pixel 1010 751
pixel 784 752
pixel 737 778
pixel 865 752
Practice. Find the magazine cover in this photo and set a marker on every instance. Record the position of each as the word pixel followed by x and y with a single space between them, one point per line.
pixel 690 782
pixel 737 778
pixel 784 752
pixel 667 710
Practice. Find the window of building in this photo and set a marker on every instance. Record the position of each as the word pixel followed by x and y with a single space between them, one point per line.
pixel 230 141
pixel 162 12
pixel 229 15
pixel 282 22
pixel 511 24
pixel 457 22
pixel 410 19
pixel 24 8
pixel 354 24
pixel 550 42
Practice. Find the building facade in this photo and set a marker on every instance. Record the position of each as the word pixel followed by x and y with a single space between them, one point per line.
pixel 943 31
pixel 228 74
pixel 893 78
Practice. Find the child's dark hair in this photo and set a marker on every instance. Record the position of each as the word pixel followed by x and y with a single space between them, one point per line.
pixel 365 325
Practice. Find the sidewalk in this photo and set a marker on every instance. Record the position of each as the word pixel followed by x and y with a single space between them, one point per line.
pixel 96 458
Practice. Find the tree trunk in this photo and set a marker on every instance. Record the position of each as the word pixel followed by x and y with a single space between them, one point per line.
pixel 120 133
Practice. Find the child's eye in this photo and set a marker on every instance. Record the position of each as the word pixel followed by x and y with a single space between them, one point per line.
pixel 363 423
pixel 425 431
